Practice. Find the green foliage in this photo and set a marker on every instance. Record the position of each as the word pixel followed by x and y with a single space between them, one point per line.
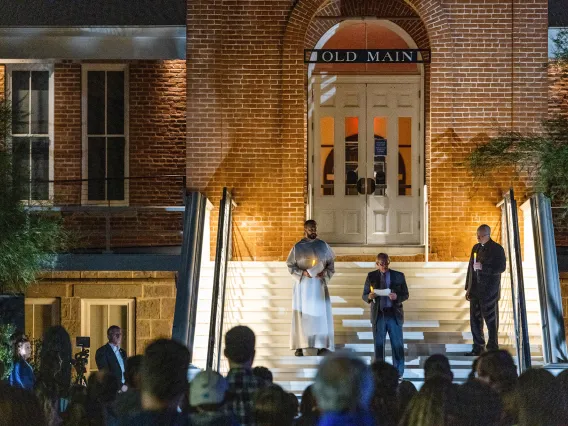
pixel 560 42
pixel 543 155
pixel 6 348
pixel 28 240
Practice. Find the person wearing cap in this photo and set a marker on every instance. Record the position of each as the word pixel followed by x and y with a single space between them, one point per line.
pixel 207 395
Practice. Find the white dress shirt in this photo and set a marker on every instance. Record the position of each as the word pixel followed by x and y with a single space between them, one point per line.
pixel 116 350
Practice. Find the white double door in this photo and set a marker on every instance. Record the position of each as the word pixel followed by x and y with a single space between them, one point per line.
pixel 365 174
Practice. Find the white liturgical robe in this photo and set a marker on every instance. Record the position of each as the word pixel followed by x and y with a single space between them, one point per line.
pixel 312 320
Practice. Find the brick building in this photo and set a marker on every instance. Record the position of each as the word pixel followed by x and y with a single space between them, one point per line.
pixel 128 103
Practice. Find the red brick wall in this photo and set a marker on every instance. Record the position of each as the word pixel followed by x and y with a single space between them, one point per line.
pixel 67 136
pixel 247 109
pixel 157 99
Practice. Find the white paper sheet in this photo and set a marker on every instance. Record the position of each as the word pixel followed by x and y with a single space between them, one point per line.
pixel 383 292
pixel 316 269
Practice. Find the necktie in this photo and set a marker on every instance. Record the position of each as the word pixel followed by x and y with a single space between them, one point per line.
pixel 382 285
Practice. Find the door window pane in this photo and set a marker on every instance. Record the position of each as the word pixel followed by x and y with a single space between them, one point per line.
pixel 96 168
pixel 40 169
pixel 115 103
pixel 21 166
pixel 96 103
pixel 351 155
pixel 327 153
pixel 97 329
pixel 39 116
pixel 101 317
pixel 115 168
pixel 20 102
pixel 40 315
pixel 380 155
pixel 404 156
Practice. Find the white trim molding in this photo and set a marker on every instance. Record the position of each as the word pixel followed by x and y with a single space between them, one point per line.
pixel 94 43
pixel 130 304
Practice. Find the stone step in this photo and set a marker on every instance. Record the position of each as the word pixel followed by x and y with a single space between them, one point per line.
pixel 361 325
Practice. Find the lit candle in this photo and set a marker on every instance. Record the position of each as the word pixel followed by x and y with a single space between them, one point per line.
pixel 372 291
pixel 474 257
pixel 314 262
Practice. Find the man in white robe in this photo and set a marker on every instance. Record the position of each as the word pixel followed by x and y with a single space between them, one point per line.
pixel 311 264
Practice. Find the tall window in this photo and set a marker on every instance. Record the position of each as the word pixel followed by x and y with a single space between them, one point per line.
pixel 97 315
pixel 31 90
pixel 40 315
pixel 105 132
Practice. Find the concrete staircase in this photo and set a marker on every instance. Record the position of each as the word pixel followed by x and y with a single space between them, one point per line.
pixel 259 294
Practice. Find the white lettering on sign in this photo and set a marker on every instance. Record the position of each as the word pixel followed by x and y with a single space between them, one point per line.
pixel 351 56
pixel 372 57
pixel 328 57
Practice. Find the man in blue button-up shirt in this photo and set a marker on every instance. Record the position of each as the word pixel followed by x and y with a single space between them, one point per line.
pixel 387 315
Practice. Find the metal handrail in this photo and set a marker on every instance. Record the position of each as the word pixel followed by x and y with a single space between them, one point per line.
pixel 185 314
pixel 222 255
pixel 517 281
pixel 550 295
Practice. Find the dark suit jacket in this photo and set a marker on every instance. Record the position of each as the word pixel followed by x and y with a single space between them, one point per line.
pixel 397 285
pixel 106 360
pixel 493 264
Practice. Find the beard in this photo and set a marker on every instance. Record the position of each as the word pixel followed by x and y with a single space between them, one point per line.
pixel 312 236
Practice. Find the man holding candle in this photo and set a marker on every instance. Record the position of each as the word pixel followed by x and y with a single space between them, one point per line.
pixel 311 263
pixel 482 286
pixel 385 289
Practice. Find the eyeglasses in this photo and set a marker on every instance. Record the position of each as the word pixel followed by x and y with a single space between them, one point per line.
pixel 481 236
pixel 383 263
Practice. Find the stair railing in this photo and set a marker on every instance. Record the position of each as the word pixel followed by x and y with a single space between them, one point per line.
pixel 222 256
pixel 550 296
pixel 185 314
pixel 513 247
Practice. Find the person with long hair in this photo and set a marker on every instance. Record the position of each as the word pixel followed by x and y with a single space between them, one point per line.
pixel 309 412
pixel 22 374
pixel 54 377
pixel 429 407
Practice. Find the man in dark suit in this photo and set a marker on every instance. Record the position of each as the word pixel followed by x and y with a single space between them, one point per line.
pixel 483 289
pixel 387 314
pixel 111 357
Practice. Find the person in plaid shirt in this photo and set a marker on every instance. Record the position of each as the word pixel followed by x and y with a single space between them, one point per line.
pixel 239 350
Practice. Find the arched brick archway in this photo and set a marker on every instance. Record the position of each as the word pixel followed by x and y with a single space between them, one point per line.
pixel 302 31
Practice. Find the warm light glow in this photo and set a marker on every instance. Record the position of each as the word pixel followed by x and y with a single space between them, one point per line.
pixel 475 257
pixel 314 262
pixel 372 289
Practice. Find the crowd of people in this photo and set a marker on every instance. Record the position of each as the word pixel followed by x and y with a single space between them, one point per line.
pixel 154 390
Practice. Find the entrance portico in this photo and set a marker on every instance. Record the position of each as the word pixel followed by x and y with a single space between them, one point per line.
pixel 365 141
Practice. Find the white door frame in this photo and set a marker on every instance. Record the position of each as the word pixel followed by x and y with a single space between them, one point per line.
pixel 367 79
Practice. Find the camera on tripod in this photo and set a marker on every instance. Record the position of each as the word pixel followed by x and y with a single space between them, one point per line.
pixel 81 359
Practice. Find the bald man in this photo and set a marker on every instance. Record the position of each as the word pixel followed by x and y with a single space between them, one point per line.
pixel 482 285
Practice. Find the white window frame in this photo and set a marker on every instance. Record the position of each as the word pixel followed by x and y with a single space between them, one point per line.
pixel 55 311
pixel 130 315
pixel 41 66
pixel 85 68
